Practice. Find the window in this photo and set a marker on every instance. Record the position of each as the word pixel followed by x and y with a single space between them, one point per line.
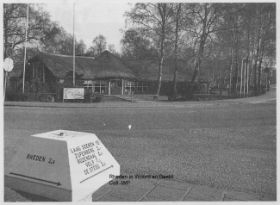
pixel 98 86
pixel 134 86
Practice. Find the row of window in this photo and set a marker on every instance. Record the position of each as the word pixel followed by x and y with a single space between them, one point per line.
pixel 102 86
pixel 90 83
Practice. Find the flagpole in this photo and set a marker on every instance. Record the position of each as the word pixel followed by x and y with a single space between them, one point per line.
pixel 74 63
pixel 24 60
pixel 5 85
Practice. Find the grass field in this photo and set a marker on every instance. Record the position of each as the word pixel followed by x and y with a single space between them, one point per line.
pixel 228 146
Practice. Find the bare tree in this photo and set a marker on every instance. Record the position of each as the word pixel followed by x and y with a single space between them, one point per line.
pixel 112 49
pixel 178 27
pixel 99 44
pixel 137 46
pixel 205 21
pixel 14 25
pixel 265 26
pixel 248 35
pixel 80 48
pixel 155 20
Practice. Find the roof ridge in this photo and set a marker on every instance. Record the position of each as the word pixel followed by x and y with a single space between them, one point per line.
pixel 107 52
pixel 62 55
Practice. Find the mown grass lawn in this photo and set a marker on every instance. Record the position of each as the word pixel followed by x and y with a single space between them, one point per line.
pixel 228 146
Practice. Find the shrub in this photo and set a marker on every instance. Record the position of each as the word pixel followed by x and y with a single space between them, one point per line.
pixel 15 96
pixel 96 98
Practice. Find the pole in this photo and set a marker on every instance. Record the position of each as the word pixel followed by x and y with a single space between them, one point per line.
pixel 241 72
pixel 74 63
pixel 131 93
pixel 230 73
pixel 245 77
pixel 122 86
pixel 5 84
pixel 266 82
pixel 248 75
pixel 109 87
pixel 44 76
pixel 247 85
pixel 24 60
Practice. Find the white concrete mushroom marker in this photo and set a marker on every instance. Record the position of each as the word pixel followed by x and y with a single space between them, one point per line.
pixel 61 165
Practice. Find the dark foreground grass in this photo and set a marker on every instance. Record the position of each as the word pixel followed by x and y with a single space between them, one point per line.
pixel 222 158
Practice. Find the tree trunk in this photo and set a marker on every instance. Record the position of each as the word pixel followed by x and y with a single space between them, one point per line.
pixel 235 76
pixel 5 44
pixel 161 52
pixel 174 93
pixel 257 58
pixel 247 67
pixel 255 76
pixel 176 52
pixel 236 51
pixel 5 26
pixel 159 75
pixel 250 73
pixel 197 64
pixel 260 67
pixel 259 75
pixel 199 56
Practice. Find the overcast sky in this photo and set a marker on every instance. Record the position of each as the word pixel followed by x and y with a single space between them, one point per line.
pixel 91 19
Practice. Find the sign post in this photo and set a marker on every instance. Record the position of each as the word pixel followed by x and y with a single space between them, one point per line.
pixel 8 66
pixel 73 93
pixel 61 165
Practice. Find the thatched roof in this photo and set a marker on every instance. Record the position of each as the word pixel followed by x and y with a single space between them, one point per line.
pixel 111 66
pixel 148 70
pixel 105 66
pixel 108 66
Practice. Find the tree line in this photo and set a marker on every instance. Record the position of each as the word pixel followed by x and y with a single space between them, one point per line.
pixel 230 40
pixel 43 34
pixel 234 40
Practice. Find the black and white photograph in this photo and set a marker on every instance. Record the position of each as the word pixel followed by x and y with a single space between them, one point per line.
pixel 139 101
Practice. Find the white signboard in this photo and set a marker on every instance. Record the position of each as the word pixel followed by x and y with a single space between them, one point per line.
pixel 61 165
pixel 73 93
pixel 8 64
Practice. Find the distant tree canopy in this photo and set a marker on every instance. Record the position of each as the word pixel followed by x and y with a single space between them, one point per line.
pixel 154 21
pixel 14 20
pixel 136 46
pixel 62 43
pixel 43 33
pixel 218 37
pixel 99 44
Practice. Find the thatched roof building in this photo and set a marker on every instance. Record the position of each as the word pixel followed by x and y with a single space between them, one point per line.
pixel 147 70
pixel 109 66
pixel 105 66
pixel 106 74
